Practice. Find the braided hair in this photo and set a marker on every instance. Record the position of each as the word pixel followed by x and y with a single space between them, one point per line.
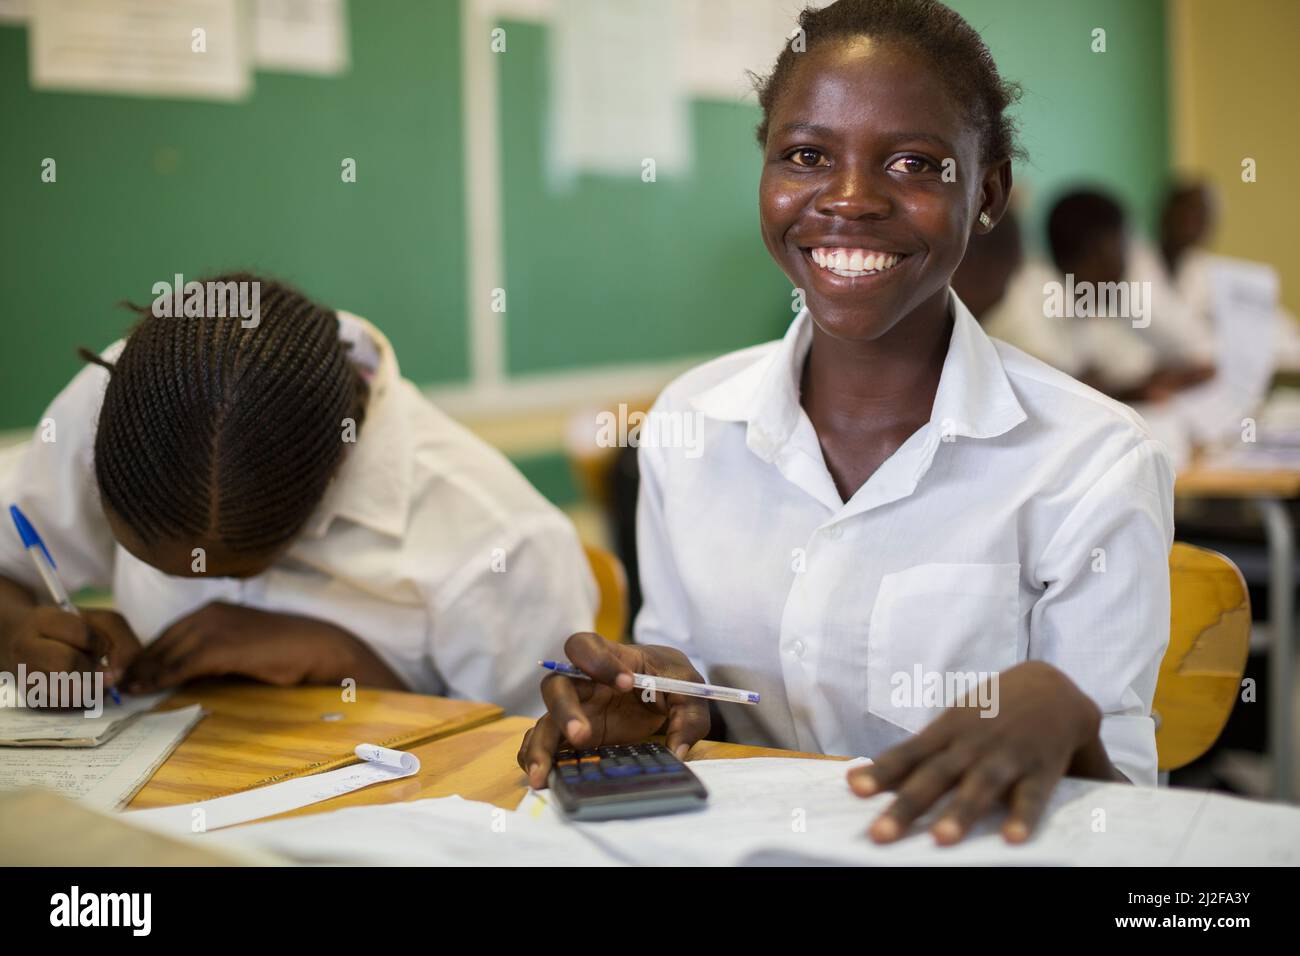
pixel 957 52
pixel 216 432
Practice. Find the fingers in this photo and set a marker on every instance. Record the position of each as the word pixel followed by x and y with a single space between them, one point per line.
pixel 892 767
pixel 55 641
pixel 563 698
pixel 56 624
pixel 162 662
pixel 601 660
pixel 983 786
pixel 116 641
pixel 1028 801
pixel 688 721
pixel 54 657
pixel 917 794
pixel 538 749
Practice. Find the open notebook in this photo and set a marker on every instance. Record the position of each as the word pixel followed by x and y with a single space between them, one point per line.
pixel 44 727
pixel 779 811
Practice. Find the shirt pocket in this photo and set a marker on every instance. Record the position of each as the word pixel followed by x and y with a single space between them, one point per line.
pixel 936 630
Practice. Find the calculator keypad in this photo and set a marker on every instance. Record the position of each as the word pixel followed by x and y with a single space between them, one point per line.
pixel 627 780
pixel 625 761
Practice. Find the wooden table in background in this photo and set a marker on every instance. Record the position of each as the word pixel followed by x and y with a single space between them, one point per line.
pixel 1268 491
pixel 255 734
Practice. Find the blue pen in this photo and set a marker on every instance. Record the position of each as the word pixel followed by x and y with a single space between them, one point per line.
pixel 46 568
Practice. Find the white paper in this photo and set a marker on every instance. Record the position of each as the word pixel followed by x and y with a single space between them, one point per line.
pixel 106 776
pixel 186 48
pixel 1244 304
pixel 379 765
pixel 15 11
pixel 1251 833
pixel 726 39
pixel 780 811
pixel 618 90
pixel 447 831
pixel 27 723
pixel 301 36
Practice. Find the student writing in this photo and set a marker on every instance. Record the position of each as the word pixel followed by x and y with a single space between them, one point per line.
pixel 277 502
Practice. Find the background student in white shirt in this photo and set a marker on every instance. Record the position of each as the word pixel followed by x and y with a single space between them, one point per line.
pixel 888 493
pixel 1170 349
pixel 277 502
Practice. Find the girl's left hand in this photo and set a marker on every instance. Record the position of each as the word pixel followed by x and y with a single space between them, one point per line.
pixel 1045 728
pixel 227 639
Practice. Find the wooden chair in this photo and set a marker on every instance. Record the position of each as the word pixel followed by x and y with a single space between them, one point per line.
pixel 1200 676
pixel 611 579
pixel 589 461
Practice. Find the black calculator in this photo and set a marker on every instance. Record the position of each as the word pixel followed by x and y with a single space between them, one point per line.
pixel 629 780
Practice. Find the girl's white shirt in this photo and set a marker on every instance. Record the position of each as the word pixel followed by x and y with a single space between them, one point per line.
pixel 1029 519
pixel 428 545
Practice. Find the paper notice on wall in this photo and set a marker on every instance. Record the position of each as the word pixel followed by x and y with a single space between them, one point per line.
pixel 15 11
pixel 727 39
pixel 301 36
pixel 175 48
pixel 618 98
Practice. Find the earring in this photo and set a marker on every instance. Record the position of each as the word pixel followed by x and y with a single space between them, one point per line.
pixel 985 221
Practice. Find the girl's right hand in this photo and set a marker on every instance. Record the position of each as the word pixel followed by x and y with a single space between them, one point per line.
pixel 50 640
pixel 607 709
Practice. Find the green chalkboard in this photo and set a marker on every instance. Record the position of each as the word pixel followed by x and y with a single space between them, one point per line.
pixel 150 187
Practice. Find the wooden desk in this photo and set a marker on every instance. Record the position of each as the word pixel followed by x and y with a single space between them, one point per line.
pixel 255 734
pixel 1268 491
pixel 479 764
pixel 1202 482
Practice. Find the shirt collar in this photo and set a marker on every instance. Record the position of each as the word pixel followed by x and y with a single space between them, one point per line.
pixel 974 398
pixel 373 484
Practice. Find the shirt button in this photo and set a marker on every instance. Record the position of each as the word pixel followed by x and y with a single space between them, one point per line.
pixel 798 648
pixel 835 532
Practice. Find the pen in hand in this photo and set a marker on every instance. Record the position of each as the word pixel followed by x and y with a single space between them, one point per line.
pixel 669 685
pixel 45 567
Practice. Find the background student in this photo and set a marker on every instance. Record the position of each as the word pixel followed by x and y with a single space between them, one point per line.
pixel 277 502
pixel 1089 242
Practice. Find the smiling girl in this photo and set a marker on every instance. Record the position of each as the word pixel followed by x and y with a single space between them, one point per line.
pixel 893 514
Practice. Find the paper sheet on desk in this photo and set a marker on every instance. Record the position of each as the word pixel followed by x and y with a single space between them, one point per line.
pixel 41 727
pixel 778 811
pixel 106 776
pixel 782 811
pixel 447 831
pixel 379 765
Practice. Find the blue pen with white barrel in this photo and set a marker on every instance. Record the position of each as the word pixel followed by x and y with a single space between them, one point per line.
pixel 48 571
pixel 668 685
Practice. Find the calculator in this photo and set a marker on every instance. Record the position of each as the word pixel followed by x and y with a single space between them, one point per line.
pixel 630 780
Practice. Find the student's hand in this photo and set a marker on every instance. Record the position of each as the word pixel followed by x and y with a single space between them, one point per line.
pixel 285 649
pixel 1045 728
pixel 50 640
pixel 607 709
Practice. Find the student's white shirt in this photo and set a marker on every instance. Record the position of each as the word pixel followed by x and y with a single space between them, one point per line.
pixel 1181 330
pixel 428 545
pixel 1194 282
pixel 1105 347
pixel 1040 531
